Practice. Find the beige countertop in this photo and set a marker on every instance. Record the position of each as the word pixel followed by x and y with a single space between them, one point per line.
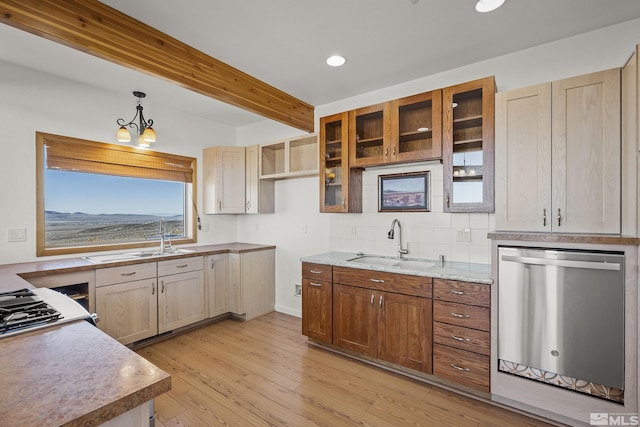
pixel 74 374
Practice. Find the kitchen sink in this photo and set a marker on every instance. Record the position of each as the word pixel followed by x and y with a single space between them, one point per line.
pixel 374 260
pixel 393 262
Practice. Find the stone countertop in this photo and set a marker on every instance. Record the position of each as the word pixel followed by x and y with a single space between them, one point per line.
pixel 462 271
pixel 73 375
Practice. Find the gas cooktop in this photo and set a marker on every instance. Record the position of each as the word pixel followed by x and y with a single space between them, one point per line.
pixel 28 309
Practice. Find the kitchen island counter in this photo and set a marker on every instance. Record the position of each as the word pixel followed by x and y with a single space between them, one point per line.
pixel 73 375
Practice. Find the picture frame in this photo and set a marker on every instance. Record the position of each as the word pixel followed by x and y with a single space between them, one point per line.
pixel 404 192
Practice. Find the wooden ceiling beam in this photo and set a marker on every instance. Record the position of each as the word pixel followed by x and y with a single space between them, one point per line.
pixel 97 29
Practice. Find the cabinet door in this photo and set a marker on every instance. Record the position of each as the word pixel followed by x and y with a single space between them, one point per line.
pixel 468 146
pixel 340 186
pixel 317 299
pixel 180 300
pixel 258 282
pixel 128 311
pixel 416 128
pixel 586 153
pixel 405 330
pixel 217 278
pixel 523 159
pixel 224 180
pixel 236 300
pixel 259 193
pixel 355 319
pixel 369 135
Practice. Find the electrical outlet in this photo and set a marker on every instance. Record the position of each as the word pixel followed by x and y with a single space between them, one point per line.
pixel 463 235
pixel 297 290
pixel 303 229
pixel 205 227
pixel 17 235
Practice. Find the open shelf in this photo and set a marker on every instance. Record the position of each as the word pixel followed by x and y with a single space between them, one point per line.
pixel 290 158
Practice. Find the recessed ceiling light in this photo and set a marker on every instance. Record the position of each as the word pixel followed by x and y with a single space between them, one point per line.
pixel 336 60
pixel 488 5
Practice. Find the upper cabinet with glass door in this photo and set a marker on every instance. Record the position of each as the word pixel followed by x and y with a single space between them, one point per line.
pixel 398 131
pixel 468 146
pixel 340 186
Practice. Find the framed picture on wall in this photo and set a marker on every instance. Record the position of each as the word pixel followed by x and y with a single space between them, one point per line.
pixel 404 192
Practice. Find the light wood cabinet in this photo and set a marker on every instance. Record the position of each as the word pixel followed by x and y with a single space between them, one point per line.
pixel 468 146
pixel 127 308
pixel 217 284
pixel 461 333
pixel 630 85
pixel 558 156
pixel 340 185
pixel 224 180
pixel 289 158
pixel 259 194
pixel 180 300
pixel 252 283
pixel 379 322
pixel 317 302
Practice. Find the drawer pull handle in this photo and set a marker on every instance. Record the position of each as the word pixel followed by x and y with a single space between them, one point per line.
pixel 315 271
pixel 380 301
pixel 377 280
pixel 128 274
pixel 460 316
pixel 182 265
pixel 457 292
pixel 317 285
pixel 459 368
pixel 460 338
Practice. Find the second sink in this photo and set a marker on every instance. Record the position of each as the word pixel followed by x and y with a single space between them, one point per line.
pixel 393 262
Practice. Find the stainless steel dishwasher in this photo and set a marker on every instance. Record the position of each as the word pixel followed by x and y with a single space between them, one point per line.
pixel 562 311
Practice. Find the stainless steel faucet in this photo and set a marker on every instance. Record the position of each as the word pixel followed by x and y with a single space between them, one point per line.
pixel 390 235
pixel 162 234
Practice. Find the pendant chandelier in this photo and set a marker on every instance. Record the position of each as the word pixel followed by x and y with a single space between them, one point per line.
pixel 146 133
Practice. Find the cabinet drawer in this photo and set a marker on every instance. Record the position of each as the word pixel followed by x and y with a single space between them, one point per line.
pixel 180 265
pixel 125 273
pixel 462 367
pixel 462 292
pixel 462 338
pixel 469 316
pixel 383 281
pixel 317 271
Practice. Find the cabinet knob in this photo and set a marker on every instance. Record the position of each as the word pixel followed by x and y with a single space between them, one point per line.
pixel 457 292
pixel 153 288
pixel 460 338
pixel 544 217
pixel 317 285
pixel 248 204
pixel 344 202
pixel 380 301
pixel 386 153
pixel 459 368
pixel 448 200
pixel 219 205
pixel 315 271
pixel 460 316
pixel 162 289
pixel 394 152
pixel 373 297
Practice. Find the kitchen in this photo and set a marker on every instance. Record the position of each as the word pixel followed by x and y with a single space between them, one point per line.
pixel 35 105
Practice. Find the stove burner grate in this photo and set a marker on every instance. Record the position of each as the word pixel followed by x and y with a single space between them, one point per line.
pixel 23 309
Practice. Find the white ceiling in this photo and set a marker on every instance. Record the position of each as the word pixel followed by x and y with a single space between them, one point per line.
pixel 285 43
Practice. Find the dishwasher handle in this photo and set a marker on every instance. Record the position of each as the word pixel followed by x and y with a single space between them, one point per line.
pixel 591 265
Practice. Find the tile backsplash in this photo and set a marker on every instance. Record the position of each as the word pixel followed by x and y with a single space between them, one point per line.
pixel 428 234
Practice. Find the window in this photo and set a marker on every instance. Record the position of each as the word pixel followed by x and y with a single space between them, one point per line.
pixel 94 196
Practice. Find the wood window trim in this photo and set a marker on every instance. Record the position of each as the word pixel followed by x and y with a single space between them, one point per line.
pixel 98 157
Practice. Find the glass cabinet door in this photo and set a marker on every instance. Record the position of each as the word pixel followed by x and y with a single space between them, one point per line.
pixel 367 136
pixel 417 127
pixel 337 180
pixel 468 148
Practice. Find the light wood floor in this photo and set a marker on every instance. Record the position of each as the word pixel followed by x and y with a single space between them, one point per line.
pixel 263 372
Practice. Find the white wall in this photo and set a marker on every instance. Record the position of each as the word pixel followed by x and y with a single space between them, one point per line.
pixel 33 101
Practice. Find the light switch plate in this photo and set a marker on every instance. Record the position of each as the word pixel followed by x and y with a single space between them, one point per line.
pixel 17 235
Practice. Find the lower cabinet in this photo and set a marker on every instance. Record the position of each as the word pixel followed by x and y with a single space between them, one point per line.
pixel 461 329
pixel 128 311
pixel 436 326
pixel 379 323
pixel 180 301
pixel 217 284
pixel 252 283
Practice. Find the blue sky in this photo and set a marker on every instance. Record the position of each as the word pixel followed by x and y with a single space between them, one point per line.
pixel 105 194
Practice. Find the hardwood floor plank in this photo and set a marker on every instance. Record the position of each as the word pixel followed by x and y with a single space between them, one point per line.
pixel 263 372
